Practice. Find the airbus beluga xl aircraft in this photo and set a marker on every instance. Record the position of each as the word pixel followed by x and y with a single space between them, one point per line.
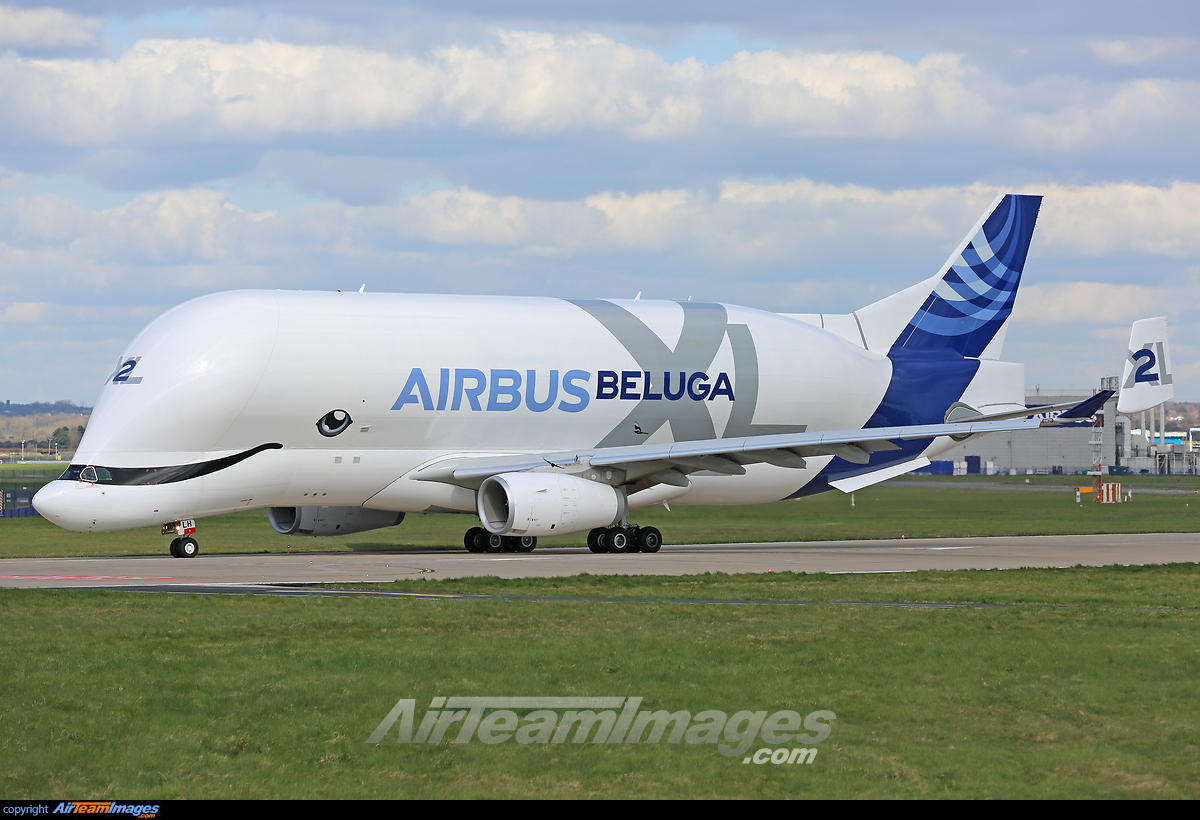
pixel 341 412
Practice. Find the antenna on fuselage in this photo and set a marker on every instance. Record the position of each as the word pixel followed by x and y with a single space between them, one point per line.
pixel 363 289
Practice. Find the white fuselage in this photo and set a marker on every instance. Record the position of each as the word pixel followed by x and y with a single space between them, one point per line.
pixel 428 377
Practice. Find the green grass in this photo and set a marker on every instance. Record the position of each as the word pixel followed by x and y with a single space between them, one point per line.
pixel 111 694
pixel 38 472
pixel 925 509
pixel 1164 585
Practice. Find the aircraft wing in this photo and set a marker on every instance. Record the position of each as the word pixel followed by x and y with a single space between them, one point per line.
pixel 670 463
pixel 1060 413
pixel 1056 413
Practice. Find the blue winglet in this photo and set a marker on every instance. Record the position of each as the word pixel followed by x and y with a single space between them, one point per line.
pixel 1088 407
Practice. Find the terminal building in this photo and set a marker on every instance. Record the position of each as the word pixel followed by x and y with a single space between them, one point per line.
pixel 1124 445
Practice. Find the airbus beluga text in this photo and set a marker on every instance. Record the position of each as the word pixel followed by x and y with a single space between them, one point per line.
pixel 341 412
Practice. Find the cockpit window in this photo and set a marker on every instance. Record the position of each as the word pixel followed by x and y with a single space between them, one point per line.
pixel 95 475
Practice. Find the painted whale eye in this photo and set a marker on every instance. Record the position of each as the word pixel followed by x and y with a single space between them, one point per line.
pixel 333 423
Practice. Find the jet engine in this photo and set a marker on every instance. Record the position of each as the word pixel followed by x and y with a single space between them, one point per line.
pixel 546 504
pixel 318 521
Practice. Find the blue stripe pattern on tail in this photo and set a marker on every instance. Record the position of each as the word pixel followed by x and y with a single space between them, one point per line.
pixel 973 300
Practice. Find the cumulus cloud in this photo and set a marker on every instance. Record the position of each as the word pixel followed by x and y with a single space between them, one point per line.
pixel 743 223
pixel 12 181
pixel 33 312
pixel 1089 303
pixel 23 312
pixel 1075 220
pixel 790 245
pixel 848 93
pixel 1139 50
pixel 193 90
pixel 43 29
pixel 197 90
pixel 541 82
pixel 1106 218
pixel 431 151
pixel 158 228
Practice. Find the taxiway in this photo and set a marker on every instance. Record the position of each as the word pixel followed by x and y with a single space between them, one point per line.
pixel 804 556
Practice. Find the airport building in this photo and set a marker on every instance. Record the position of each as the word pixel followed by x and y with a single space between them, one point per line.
pixel 1125 445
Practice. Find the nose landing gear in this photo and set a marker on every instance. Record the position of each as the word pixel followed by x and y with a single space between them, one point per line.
pixel 185 546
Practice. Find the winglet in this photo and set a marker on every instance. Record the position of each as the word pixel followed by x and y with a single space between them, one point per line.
pixel 1086 408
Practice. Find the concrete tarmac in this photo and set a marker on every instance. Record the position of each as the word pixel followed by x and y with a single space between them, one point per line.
pixel 903 555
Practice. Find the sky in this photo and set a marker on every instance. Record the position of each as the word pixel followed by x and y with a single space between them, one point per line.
pixel 792 157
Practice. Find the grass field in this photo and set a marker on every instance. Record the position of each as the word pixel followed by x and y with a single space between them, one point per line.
pixel 113 695
pixel 915 508
pixel 1168 586
pixel 1069 683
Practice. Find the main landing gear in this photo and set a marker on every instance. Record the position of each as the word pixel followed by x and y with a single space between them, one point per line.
pixel 186 546
pixel 478 539
pixel 601 539
pixel 625 539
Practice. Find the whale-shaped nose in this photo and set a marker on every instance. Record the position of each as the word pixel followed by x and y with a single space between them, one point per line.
pixel 74 505
pixel 84 506
pixel 51 503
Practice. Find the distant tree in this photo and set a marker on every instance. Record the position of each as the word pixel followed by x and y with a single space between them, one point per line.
pixel 61 437
pixel 1181 415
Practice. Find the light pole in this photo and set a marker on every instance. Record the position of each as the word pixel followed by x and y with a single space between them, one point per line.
pixel 23 451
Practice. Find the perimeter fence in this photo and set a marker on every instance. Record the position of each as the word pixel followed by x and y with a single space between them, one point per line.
pixel 20 482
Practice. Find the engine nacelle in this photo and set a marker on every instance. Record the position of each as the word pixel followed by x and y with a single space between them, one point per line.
pixel 546 504
pixel 319 521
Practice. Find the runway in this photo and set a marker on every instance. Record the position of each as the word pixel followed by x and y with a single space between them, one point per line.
pixel 904 555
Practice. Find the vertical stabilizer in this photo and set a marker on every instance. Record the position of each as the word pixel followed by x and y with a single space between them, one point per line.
pixel 964 307
pixel 1147 380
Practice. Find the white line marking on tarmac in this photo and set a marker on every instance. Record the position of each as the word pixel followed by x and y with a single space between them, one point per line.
pixel 903 549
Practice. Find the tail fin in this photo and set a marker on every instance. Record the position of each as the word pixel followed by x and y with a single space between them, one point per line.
pixel 1147 380
pixel 964 307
